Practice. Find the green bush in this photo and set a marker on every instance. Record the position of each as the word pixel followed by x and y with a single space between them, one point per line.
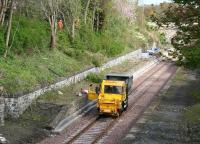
pixel 63 41
pixel 192 56
pixel 96 62
pixel 179 63
pixel 180 57
pixel 94 78
pixel 196 95
pixel 90 39
pixel 163 38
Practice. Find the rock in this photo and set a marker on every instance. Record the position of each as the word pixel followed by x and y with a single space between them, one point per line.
pixel 1 88
pixel 80 94
pixel 60 93
pixel 2 140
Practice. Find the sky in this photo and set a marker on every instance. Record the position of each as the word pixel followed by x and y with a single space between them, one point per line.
pixel 141 2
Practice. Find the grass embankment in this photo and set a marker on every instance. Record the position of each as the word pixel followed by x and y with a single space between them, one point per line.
pixel 30 64
pixel 25 73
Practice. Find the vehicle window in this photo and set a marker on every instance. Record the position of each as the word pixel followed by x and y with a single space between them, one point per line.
pixel 113 89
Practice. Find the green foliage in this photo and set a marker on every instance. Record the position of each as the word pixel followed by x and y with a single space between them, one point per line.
pixel 111 47
pixel 94 78
pixel 30 63
pixel 91 40
pixel 192 56
pixel 179 63
pixel 96 62
pixel 162 38
pixel 25 73
pixel 63 41
pixel 29 35
pixel 2 44
pixel 196 94
pixel 180 57
pixel 185 15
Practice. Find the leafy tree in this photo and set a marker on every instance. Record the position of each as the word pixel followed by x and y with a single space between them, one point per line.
pixel 184 15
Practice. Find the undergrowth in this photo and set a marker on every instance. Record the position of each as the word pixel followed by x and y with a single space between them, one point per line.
pixel 31 65
pixel 94 78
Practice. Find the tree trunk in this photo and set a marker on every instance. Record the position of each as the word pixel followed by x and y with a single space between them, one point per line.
pixel 73 30
pixel 9 28
pixel 53 40
pixel 97 22
pixel 93 19
pixel 53 24
pixel 86 11
pixel 4 5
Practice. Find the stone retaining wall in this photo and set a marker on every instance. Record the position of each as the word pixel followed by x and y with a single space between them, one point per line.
pixel 2 110
pixel 16 106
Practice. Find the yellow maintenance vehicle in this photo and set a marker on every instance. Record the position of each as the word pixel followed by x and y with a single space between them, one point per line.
pixel 112 94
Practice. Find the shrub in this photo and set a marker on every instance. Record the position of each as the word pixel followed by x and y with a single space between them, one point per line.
pixel 196 95
pixel 180 57
pixel 96 62
pixel 63 41
pixel 163 38
pixel 179 63
pixel 94 78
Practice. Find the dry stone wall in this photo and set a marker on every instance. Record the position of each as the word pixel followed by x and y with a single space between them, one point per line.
pixel 2 111
pixel 16 106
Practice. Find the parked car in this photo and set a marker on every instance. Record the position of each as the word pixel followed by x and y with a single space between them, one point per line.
pixel 153 50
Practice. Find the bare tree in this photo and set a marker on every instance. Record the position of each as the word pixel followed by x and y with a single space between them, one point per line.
pixel 51 8
pixel 3 9
pixel 9 27
pixel 72 11
pixel 93 15
pixel 86 11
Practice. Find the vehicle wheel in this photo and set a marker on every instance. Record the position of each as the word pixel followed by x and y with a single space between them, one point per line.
pixel 125 104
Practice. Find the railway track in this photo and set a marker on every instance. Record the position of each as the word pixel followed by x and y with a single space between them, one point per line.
pixel 100 126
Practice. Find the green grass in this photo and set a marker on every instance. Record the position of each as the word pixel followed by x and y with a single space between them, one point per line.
pixel 69 94
pixel 25 73
pixel 180 77
pixel 192 114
